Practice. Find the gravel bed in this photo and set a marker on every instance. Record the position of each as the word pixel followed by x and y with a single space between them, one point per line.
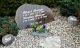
pixel 70 37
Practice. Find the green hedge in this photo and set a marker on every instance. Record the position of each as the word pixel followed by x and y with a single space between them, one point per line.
pixel 69 7
pixel 9 7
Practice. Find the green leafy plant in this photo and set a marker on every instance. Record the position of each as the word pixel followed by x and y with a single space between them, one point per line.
pixel 39 29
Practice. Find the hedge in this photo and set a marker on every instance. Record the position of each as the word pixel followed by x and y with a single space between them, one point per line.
pixel 9 7
pixel 69 7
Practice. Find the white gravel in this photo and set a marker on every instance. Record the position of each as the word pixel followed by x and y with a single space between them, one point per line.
pixel 60 27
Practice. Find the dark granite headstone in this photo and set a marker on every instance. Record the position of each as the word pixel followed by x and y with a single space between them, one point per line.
pixel 28 14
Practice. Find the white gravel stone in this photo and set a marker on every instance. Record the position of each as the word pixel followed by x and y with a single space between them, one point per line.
pixel 50 42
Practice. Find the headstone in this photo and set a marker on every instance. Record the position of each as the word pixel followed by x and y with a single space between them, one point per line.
pixel 8 39
pixel 28 13
pixel 72 20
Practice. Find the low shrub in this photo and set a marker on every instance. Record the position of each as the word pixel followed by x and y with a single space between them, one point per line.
pixel 7 27
pixel 13 29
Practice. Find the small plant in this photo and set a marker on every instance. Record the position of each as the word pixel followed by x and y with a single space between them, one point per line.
pixel 33 27
pixel 36 28
pixel 39 28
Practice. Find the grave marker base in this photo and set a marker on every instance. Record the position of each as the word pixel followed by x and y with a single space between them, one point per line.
pixel 43 34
